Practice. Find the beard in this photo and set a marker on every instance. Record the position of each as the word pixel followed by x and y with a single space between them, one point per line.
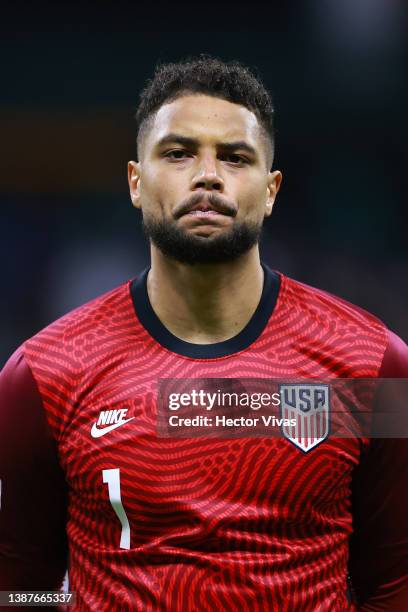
pixel 189 249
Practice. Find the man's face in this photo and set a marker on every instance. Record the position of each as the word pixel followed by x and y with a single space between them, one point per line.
pixel 203 182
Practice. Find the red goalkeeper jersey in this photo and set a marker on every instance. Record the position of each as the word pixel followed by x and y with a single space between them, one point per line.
pixel 159 523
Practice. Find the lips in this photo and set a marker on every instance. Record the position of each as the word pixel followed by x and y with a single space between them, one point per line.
pixel 206 208
pixel 202 205
pixel 202 212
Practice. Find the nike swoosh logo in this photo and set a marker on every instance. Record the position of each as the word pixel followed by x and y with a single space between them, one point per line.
pixel 97 433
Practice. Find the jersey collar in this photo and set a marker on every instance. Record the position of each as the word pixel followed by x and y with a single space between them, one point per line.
pixel 241 341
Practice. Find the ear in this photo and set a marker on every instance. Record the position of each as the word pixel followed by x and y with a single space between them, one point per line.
pixel 134 182
pixel 274 183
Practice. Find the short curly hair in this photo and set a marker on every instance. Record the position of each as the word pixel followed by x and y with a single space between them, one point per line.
pixel 207 75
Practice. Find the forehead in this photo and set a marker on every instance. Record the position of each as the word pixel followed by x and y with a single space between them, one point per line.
pixel 207 119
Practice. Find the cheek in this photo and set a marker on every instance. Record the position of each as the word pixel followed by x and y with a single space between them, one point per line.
pixel 252 199
pixel 160 188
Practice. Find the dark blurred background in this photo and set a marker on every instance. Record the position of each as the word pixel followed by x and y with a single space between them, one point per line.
pixel 70 78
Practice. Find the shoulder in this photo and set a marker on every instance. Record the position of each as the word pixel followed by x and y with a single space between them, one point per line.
pixel 53 366
pixel 395 361
pixel 88 325
pixel 321 303
pixel 347 325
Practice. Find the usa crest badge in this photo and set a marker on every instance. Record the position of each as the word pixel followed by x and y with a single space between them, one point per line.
pixel 307 405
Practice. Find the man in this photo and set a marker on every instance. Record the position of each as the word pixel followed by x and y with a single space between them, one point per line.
pixel 156 522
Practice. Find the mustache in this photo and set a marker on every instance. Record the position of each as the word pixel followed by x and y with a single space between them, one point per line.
pixel 219 203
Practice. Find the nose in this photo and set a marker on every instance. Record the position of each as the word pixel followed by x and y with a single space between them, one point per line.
pixel 207 176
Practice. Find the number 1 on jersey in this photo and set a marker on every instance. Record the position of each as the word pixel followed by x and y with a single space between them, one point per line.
pixel 112 479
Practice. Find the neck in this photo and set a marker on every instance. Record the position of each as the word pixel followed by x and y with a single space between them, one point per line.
pixel 204 304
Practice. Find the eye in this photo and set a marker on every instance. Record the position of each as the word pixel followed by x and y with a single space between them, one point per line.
pixel 181 154
pixel 234 158
pixel 176 154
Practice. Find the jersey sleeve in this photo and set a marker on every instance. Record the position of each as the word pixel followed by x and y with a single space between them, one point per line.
pixel 379 544
pixel 33 547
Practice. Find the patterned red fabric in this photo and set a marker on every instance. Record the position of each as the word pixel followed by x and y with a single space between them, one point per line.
pixel 214 524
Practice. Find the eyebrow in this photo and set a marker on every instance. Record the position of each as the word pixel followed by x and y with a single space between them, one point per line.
pixel 193 142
